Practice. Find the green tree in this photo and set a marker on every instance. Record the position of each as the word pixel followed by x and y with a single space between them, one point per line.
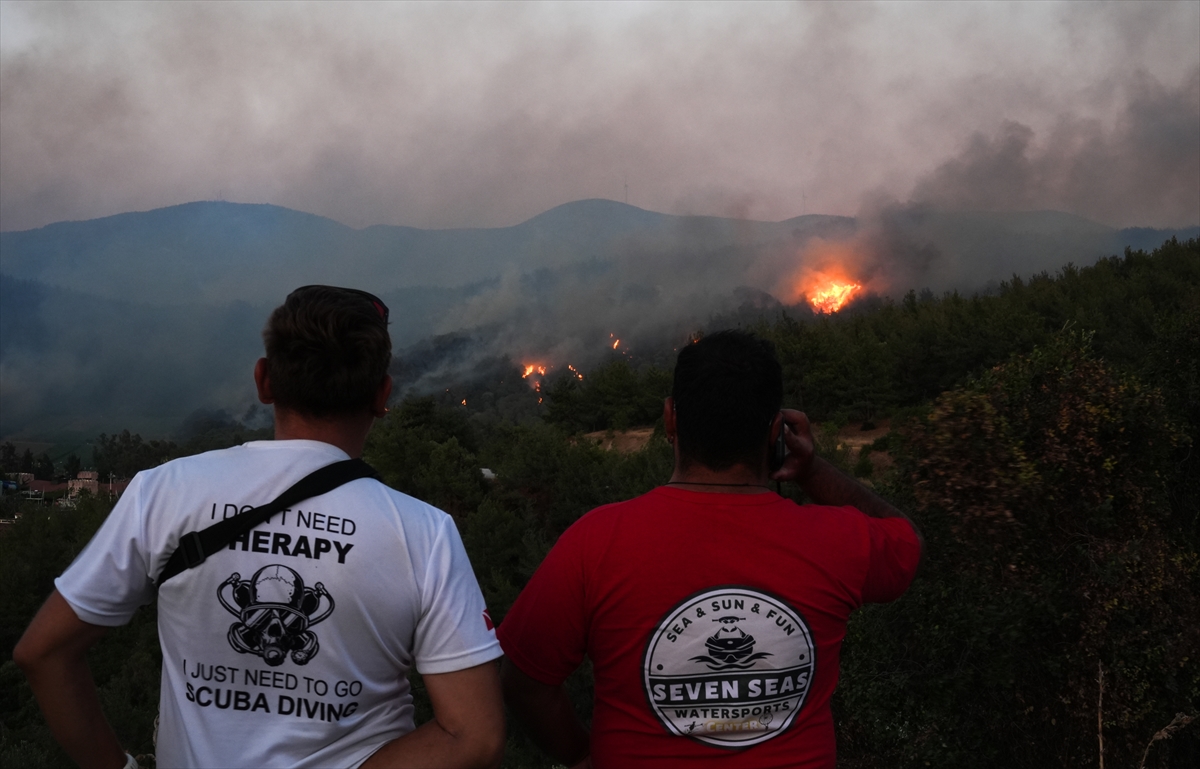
pixel 126 454
pixel 428 451
pixel 125 664
pixel 613 396
pixel 43 467
pixel 1050 556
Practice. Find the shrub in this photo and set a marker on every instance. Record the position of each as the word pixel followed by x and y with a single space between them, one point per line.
pixel 1041 488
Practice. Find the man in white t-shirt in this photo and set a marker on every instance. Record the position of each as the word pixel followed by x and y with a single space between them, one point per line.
pixel 292 645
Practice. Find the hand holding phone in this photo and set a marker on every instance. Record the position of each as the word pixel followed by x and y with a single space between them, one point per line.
pixel 795 456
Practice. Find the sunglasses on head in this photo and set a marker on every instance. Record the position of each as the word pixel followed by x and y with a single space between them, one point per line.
pixel 375 301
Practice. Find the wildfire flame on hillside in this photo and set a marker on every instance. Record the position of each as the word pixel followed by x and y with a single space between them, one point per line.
pixel 537 373
pixel 827 280
pixel 832 296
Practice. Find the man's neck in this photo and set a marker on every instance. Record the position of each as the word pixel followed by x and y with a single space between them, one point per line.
pixel 739 479
pixel 348 433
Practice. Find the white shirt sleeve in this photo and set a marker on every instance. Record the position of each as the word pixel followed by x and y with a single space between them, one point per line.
pixel 454 631
pixel 110 579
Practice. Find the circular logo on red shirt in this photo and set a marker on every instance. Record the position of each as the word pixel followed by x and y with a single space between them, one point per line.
pixel 730 666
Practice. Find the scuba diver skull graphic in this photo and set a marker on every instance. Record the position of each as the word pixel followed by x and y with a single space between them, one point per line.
pixel 275 611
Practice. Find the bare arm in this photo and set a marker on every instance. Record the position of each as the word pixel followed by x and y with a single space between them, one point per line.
pixel 548 716
pixel 823 482
pixel 467 729
pixel 53 654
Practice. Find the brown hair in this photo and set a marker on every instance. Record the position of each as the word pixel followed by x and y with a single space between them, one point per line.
pixel 328 351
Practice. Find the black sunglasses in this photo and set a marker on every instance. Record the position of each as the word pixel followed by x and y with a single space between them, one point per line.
pixel 380 307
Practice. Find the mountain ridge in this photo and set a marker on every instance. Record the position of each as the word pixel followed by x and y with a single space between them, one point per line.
pixel 208 251
pixel 212 250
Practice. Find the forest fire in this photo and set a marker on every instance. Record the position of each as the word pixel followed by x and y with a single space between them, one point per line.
pixel 536 374
pixel 827 280
pixel 832 295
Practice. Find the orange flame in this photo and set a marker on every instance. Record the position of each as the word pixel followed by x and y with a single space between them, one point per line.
pixel 616 343
pixel 833 296
pixel 535 372
pixel 827 279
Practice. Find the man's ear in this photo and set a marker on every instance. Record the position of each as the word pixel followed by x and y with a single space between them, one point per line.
pixel 669 427
pixel 262 381
pixel 382 395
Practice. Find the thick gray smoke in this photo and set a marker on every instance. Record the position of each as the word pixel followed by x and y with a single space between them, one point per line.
pixel 1013 202
pixel 639 298
pixel 1145 169
pixel 475 115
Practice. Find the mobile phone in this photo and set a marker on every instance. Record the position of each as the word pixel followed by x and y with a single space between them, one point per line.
pixel 779 452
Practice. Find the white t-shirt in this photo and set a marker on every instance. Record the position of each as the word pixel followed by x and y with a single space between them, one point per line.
pixel 292 646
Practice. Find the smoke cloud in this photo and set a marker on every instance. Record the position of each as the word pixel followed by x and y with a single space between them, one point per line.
pixel 451 115
pixel 1146 168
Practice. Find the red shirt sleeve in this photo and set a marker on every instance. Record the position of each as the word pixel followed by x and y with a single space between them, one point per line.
pixel 545 632
pixel 895 552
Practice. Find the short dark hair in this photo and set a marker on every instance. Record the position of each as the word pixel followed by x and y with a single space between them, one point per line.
pixel 728 387
pixel 328 351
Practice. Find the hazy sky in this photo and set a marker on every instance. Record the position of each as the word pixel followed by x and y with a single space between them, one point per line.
pixel 474 114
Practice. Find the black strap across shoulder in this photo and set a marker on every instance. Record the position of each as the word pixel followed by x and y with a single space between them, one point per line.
pixel 196 546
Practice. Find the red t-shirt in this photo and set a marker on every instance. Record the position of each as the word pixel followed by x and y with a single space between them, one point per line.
pixel 713 622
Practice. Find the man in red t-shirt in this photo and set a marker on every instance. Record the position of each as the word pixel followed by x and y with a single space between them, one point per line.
pixel 713 610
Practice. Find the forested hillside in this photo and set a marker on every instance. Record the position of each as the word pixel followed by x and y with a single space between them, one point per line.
pixel 135 321
pixel 1043 437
